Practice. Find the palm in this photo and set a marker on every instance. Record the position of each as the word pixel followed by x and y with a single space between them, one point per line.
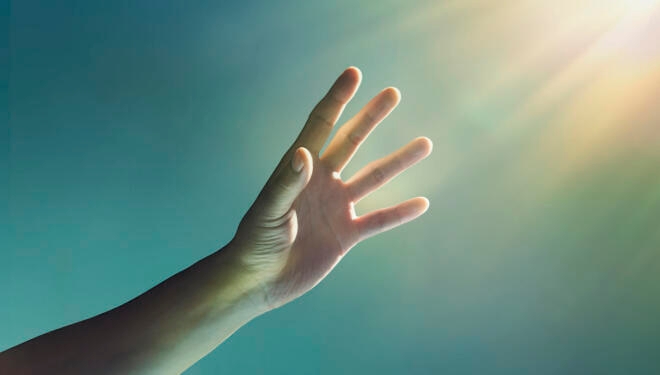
pixel 325 229
pixel 301 225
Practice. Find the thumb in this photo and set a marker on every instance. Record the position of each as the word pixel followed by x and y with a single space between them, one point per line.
pixel 286 187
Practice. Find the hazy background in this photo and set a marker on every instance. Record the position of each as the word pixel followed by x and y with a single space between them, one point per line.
pixel 139 132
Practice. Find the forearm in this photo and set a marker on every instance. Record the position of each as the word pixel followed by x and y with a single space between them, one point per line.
pixel 163 331
pixel 301 225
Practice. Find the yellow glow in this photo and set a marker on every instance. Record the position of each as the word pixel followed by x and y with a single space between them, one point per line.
pixel 587 68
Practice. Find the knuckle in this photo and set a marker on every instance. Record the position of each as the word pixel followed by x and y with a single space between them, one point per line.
pixel 380 222
pixel 285 185
pixel 378 175
pixel 397 218
pixel 355 138
pixel 331 99
pixel 317 119
pixel 369 118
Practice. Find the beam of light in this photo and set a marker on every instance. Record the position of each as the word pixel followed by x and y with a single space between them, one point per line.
pixel 603 91
pixel 631 20
pixel 574 60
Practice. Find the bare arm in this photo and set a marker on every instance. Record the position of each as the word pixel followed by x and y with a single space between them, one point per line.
pixel 299 227
pixel 163 331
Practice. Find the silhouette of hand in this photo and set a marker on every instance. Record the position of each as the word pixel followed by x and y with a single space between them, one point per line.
pixel 303 221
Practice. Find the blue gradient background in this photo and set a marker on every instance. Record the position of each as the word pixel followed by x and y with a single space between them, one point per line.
pixel 139 132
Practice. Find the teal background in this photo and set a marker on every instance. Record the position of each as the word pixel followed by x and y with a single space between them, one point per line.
pixel 139 132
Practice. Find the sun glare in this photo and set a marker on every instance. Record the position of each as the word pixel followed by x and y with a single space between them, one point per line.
pixel 641 4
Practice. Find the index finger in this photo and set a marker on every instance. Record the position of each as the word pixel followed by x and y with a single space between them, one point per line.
pixel 326 113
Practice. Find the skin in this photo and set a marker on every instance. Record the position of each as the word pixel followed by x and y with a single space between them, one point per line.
pixel 300 226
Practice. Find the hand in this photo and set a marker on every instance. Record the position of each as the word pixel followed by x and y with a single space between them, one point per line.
pixel 299 227
pixel 303 221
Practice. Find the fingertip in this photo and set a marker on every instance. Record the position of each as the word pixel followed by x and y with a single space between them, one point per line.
pixel 298 160
pixel 426 144
pixel 392 94
pixel 306 161
pixel 425 204
pixel 354 72
pixel 304 150
pixel 347 84
pixel 415 207
pixel 305 154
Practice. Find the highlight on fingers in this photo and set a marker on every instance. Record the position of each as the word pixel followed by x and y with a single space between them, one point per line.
pixel 325 114
pixel 355 131
pixel 385 219
pixel 346 84
pixel 381 171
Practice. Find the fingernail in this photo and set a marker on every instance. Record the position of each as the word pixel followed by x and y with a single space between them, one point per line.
pixel 297 162
pixel 427 204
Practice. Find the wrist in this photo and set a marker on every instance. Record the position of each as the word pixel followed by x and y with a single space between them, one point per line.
pixel 245 283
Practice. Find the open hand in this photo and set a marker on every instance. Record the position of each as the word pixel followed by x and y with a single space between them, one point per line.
pixel 299 227
pixel 303 221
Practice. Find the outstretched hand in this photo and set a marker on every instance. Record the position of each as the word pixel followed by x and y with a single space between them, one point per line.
pixel 303 221
pixel 299 227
